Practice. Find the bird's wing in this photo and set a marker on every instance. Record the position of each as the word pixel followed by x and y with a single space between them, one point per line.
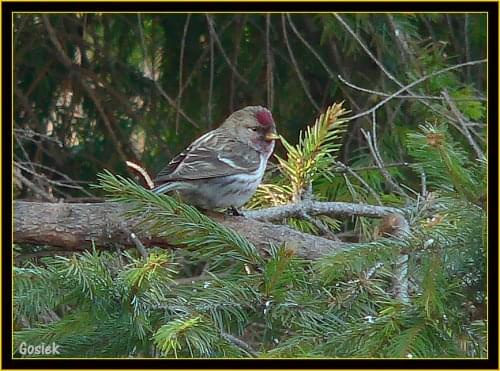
pixel 212 155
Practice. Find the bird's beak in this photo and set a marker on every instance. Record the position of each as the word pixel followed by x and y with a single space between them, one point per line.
pixel 271 136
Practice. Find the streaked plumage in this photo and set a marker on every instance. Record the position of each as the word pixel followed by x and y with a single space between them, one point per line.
pixel 224 167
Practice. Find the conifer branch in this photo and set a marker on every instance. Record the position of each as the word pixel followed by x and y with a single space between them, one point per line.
pixel 395 225
pixel 314 153
pixel 74 226
pixel 239 343
pixel 461 120
pixel 412 84
pixel 313 208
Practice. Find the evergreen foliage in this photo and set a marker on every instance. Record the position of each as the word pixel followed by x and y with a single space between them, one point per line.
pixel 307 162
pixel 217 295
pixel 340 306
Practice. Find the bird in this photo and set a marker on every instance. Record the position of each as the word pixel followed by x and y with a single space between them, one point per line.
pixel 223 168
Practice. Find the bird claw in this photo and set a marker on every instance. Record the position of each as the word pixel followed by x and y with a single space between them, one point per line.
pixel 234 211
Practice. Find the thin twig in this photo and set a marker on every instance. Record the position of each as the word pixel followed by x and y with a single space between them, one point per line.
pixel 374 133
pixel 44 178
pixel 181 65
pixel 69 64
pixel 377 61
pixel 175 105
pixel 138 244
pixel 380 164
pixel 119 96
pixel 429 97
pixel 467 49
pixel 308 46
pixel 296 66
pixel 397 226
pixel 30 135
pixel 211 80
pixel 365 48
pixel 324 230
pixel 23 151
pixel 400 39
pixel 156 83
pixel 451 34
pixel 54 171
pixel 372 145
pixel 462 122
pixel 36 189
pixel 345 71
pixel 364 168
pixel 237 47
pixel 476 134
pixel 381 66
pixel 361 180
pixel 423 181
pixel 143 172
pixel 416 82
pixel 239 344
pixel 269 65
pixel 201 59
pixel 219 45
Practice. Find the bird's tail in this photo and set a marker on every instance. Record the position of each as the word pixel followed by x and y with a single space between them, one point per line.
pixel 164 188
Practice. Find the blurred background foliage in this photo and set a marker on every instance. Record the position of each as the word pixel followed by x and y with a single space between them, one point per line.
pixel 142 87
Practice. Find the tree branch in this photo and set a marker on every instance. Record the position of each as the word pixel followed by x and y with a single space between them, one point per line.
pixel 67 62
pixel 212 31
pixel 412 84
pixel 403 96
pixel 39 191
pixel 296 66
pixel 269 65
pixel 397 226
pixel 462 121
pixel 75 226
pixel 155 81
pixel 181 65
pixel 313 208
pixel 381 66
pixel 371 141
pixel 347 169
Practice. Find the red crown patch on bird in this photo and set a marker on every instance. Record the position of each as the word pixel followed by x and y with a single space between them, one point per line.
pixel 264 118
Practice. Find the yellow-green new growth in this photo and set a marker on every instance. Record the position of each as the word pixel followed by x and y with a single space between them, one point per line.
pixel 311 156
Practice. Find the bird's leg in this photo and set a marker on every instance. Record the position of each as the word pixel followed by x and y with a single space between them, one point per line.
pixel 234 211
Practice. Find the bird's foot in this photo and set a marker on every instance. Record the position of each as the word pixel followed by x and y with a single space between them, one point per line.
pixel 234 211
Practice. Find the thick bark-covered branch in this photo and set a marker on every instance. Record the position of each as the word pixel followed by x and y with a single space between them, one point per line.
pixel 75 226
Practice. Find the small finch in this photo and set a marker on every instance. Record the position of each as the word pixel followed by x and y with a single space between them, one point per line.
pixel 223 168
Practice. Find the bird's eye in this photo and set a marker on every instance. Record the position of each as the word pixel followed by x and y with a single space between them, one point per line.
pixel 253 128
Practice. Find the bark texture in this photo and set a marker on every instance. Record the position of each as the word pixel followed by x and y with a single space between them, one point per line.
pixel 75 226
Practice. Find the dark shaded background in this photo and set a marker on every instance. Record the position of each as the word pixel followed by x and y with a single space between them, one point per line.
pixel 140 88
